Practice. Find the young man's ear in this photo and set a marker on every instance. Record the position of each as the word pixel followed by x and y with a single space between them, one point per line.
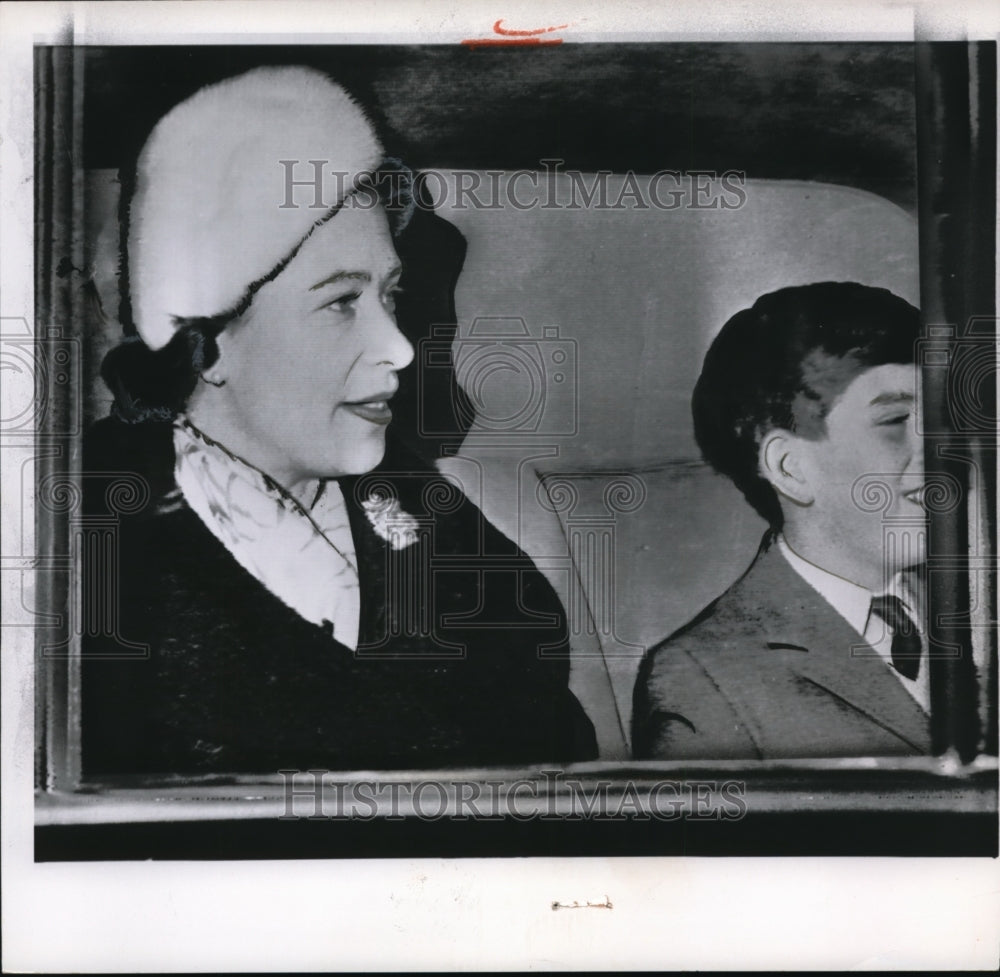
pixel 779 462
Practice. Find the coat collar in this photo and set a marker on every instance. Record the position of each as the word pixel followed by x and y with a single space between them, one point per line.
pixel 795 617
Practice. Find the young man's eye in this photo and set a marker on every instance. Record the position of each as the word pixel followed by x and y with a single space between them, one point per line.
pixel 895 420
pixel 389 297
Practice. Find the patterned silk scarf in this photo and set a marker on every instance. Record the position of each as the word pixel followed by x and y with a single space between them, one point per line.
pixel 304 556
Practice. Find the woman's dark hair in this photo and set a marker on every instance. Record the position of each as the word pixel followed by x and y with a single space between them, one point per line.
pixel 782 363
pixel 154 385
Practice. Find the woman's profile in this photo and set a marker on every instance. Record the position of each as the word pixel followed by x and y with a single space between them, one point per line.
pixel 296 602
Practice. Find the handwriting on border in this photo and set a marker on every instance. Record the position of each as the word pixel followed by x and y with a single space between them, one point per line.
pixel 582 905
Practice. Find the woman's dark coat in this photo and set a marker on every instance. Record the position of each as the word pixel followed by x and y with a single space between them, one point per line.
pixel 471 669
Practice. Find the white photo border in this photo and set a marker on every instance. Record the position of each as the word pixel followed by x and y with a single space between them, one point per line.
pixel 446 914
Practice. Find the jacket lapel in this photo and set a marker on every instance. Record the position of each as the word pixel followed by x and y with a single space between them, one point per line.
pixel 835 657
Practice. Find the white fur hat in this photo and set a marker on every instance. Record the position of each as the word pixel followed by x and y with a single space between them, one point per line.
pixel 206 219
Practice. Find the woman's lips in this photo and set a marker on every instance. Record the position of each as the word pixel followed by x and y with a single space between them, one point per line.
pixel 376 411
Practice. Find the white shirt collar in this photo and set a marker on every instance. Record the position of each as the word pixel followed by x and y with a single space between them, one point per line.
pixel 852 601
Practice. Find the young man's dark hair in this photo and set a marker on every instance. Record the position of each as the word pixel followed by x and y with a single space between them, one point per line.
pixel 782 363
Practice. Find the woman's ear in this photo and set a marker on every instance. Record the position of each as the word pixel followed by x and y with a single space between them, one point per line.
pixel 216 374
pixel 779 460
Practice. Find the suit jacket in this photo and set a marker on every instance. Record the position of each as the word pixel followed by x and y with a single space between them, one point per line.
pixel 770 670
pixel 206 670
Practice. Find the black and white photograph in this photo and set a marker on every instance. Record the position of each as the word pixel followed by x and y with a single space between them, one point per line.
pixel 531 469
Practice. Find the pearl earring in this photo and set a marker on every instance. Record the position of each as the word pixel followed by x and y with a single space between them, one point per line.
pixel 214 379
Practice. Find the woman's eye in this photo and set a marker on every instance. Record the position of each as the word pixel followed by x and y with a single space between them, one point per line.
pixel 343 303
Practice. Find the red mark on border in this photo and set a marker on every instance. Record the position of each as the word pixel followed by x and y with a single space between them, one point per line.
pixel 513 38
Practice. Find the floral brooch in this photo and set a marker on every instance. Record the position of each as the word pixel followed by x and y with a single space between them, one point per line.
pixel 390 522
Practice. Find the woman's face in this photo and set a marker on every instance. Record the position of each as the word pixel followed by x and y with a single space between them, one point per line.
pixel 310 367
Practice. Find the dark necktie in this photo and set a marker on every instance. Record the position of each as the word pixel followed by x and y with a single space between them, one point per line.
pixel 905 649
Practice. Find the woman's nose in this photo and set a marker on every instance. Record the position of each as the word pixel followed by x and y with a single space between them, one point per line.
pixel 390 345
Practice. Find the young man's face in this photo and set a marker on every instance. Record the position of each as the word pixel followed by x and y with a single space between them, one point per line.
pixel 866 475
